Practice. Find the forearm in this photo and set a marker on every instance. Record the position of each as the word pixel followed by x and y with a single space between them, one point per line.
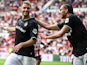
pixel 43 24
pixel 60 33
pixel 51 37
pixel 28 43
pixel 23 44
pixel 48 26
pixel 11 29
pixel 54 36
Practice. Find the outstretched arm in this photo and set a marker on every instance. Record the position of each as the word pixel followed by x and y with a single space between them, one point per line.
pixel 60 33
pixel 47 26
pixel 10 29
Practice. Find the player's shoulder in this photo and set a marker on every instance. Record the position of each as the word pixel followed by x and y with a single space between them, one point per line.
pixel 32 20
pixel 70 18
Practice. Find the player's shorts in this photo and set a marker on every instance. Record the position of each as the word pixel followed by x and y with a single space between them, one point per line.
pixel 81 60
pixel 38 58
pixel 14 59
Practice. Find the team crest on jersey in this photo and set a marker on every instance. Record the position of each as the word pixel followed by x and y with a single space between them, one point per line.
pixel 25 24
pixel 34 31
pixel 66 20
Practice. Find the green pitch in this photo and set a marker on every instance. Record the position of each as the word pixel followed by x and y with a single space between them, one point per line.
pixel 55 63
pixel 43 63
pixel 2 62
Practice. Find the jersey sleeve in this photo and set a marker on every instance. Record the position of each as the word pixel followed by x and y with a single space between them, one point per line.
pixel 34 30
pixel 59 26
pixel 69 23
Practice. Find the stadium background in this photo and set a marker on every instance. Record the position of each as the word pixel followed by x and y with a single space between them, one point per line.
pixel 58 49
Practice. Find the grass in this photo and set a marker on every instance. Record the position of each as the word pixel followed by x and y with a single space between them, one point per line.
pixel 2 61
pixel 43 63
pixel 55 63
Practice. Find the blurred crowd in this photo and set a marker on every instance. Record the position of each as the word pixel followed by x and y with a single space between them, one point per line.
pixel 10 12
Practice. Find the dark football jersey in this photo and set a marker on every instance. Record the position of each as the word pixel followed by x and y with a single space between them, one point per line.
pixel 25 30
pixel 77 35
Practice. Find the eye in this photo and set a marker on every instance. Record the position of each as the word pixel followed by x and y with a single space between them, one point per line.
pixel 26 7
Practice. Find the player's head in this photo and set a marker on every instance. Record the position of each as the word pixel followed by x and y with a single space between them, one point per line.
pixel 25 8
pixel 66 9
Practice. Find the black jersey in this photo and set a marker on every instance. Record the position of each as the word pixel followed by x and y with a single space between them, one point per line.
pixel 77 35
pixel 26 30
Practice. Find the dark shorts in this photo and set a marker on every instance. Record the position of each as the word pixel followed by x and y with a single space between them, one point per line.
pixel 38 57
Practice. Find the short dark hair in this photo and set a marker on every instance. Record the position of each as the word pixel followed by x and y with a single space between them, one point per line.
pixel 69 7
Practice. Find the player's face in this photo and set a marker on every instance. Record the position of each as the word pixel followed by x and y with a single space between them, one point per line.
pixel 63 12
pixel 25 9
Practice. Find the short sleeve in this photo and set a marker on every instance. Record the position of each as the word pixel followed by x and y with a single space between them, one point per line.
pixel 34 30
pixel 59 26
pixel 68 22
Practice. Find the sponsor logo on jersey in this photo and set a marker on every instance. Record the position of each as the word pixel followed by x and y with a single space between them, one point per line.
pixel 21 29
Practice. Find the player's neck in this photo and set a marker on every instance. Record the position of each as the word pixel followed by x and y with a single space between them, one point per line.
pixel 25 17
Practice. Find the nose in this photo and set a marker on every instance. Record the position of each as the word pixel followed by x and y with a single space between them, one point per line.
pixel 26 9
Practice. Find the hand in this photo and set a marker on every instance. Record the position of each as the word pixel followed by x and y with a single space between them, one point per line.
pixel 42 35
pixel 17 47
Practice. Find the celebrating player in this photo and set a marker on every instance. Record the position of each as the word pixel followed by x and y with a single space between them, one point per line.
pixel 75 30
pixel 26 33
